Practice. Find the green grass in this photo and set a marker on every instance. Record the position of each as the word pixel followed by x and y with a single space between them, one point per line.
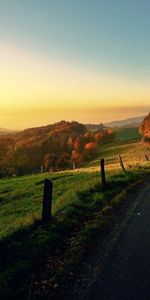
pixel 21 198
pixel 127 133
pixel 130 151
pixel 80 212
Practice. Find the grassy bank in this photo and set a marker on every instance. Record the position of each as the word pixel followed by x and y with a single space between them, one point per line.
pixel 81 215
pixel 81 211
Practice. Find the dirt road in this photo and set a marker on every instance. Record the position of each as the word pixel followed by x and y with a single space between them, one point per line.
pixel 120 269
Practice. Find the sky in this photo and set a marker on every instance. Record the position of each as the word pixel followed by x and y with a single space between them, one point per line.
pixel 75 60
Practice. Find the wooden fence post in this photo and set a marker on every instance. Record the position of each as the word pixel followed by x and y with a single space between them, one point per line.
pixel 103 178
pixel 121 163
pixel 73 165
pixel 47 200
pixel 41 169
pixel 146 157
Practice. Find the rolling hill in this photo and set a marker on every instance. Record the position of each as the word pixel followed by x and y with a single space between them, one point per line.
pixel 4 131
pixel 131 122
pixel 57 146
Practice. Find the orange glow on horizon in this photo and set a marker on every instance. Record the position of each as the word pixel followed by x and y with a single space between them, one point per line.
pixel 35 91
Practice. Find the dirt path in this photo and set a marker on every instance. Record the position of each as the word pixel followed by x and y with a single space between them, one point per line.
pixel 120 270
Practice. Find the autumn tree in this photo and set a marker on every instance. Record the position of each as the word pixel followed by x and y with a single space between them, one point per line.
pixel 145 128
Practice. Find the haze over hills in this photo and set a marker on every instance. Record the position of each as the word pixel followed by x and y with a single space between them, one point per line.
pixel 131 122
pixel 4 131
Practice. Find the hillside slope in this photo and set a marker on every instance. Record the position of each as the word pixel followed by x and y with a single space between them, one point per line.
pixel 55 147
pixel 80 213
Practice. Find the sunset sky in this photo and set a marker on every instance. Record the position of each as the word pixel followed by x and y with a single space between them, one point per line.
pixel 78 60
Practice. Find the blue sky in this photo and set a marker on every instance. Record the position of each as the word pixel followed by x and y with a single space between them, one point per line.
pixel 103 35
pixel 109 38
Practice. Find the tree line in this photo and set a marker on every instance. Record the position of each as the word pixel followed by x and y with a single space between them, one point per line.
pixel 56 147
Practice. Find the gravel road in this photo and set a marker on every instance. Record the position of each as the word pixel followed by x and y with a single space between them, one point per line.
pixel 120 267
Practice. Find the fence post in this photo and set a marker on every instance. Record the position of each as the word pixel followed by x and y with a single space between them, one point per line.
pixel 47 200
pixel 146 157
pixel 73 165
pixel 41 169
pixel 103 178
pixel 121 163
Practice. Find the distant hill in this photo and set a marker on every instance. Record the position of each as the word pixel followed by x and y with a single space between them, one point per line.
pixel 131 122
pixel 36 134
pixel 5 131
pixel 94 126
pixel 58 146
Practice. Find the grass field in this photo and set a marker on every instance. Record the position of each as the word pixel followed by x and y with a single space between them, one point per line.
pixel 132 153
pixel 78 205
pixel 21 198
pixel 127 133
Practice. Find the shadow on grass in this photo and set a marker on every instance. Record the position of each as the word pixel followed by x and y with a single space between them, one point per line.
pixel 22 252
